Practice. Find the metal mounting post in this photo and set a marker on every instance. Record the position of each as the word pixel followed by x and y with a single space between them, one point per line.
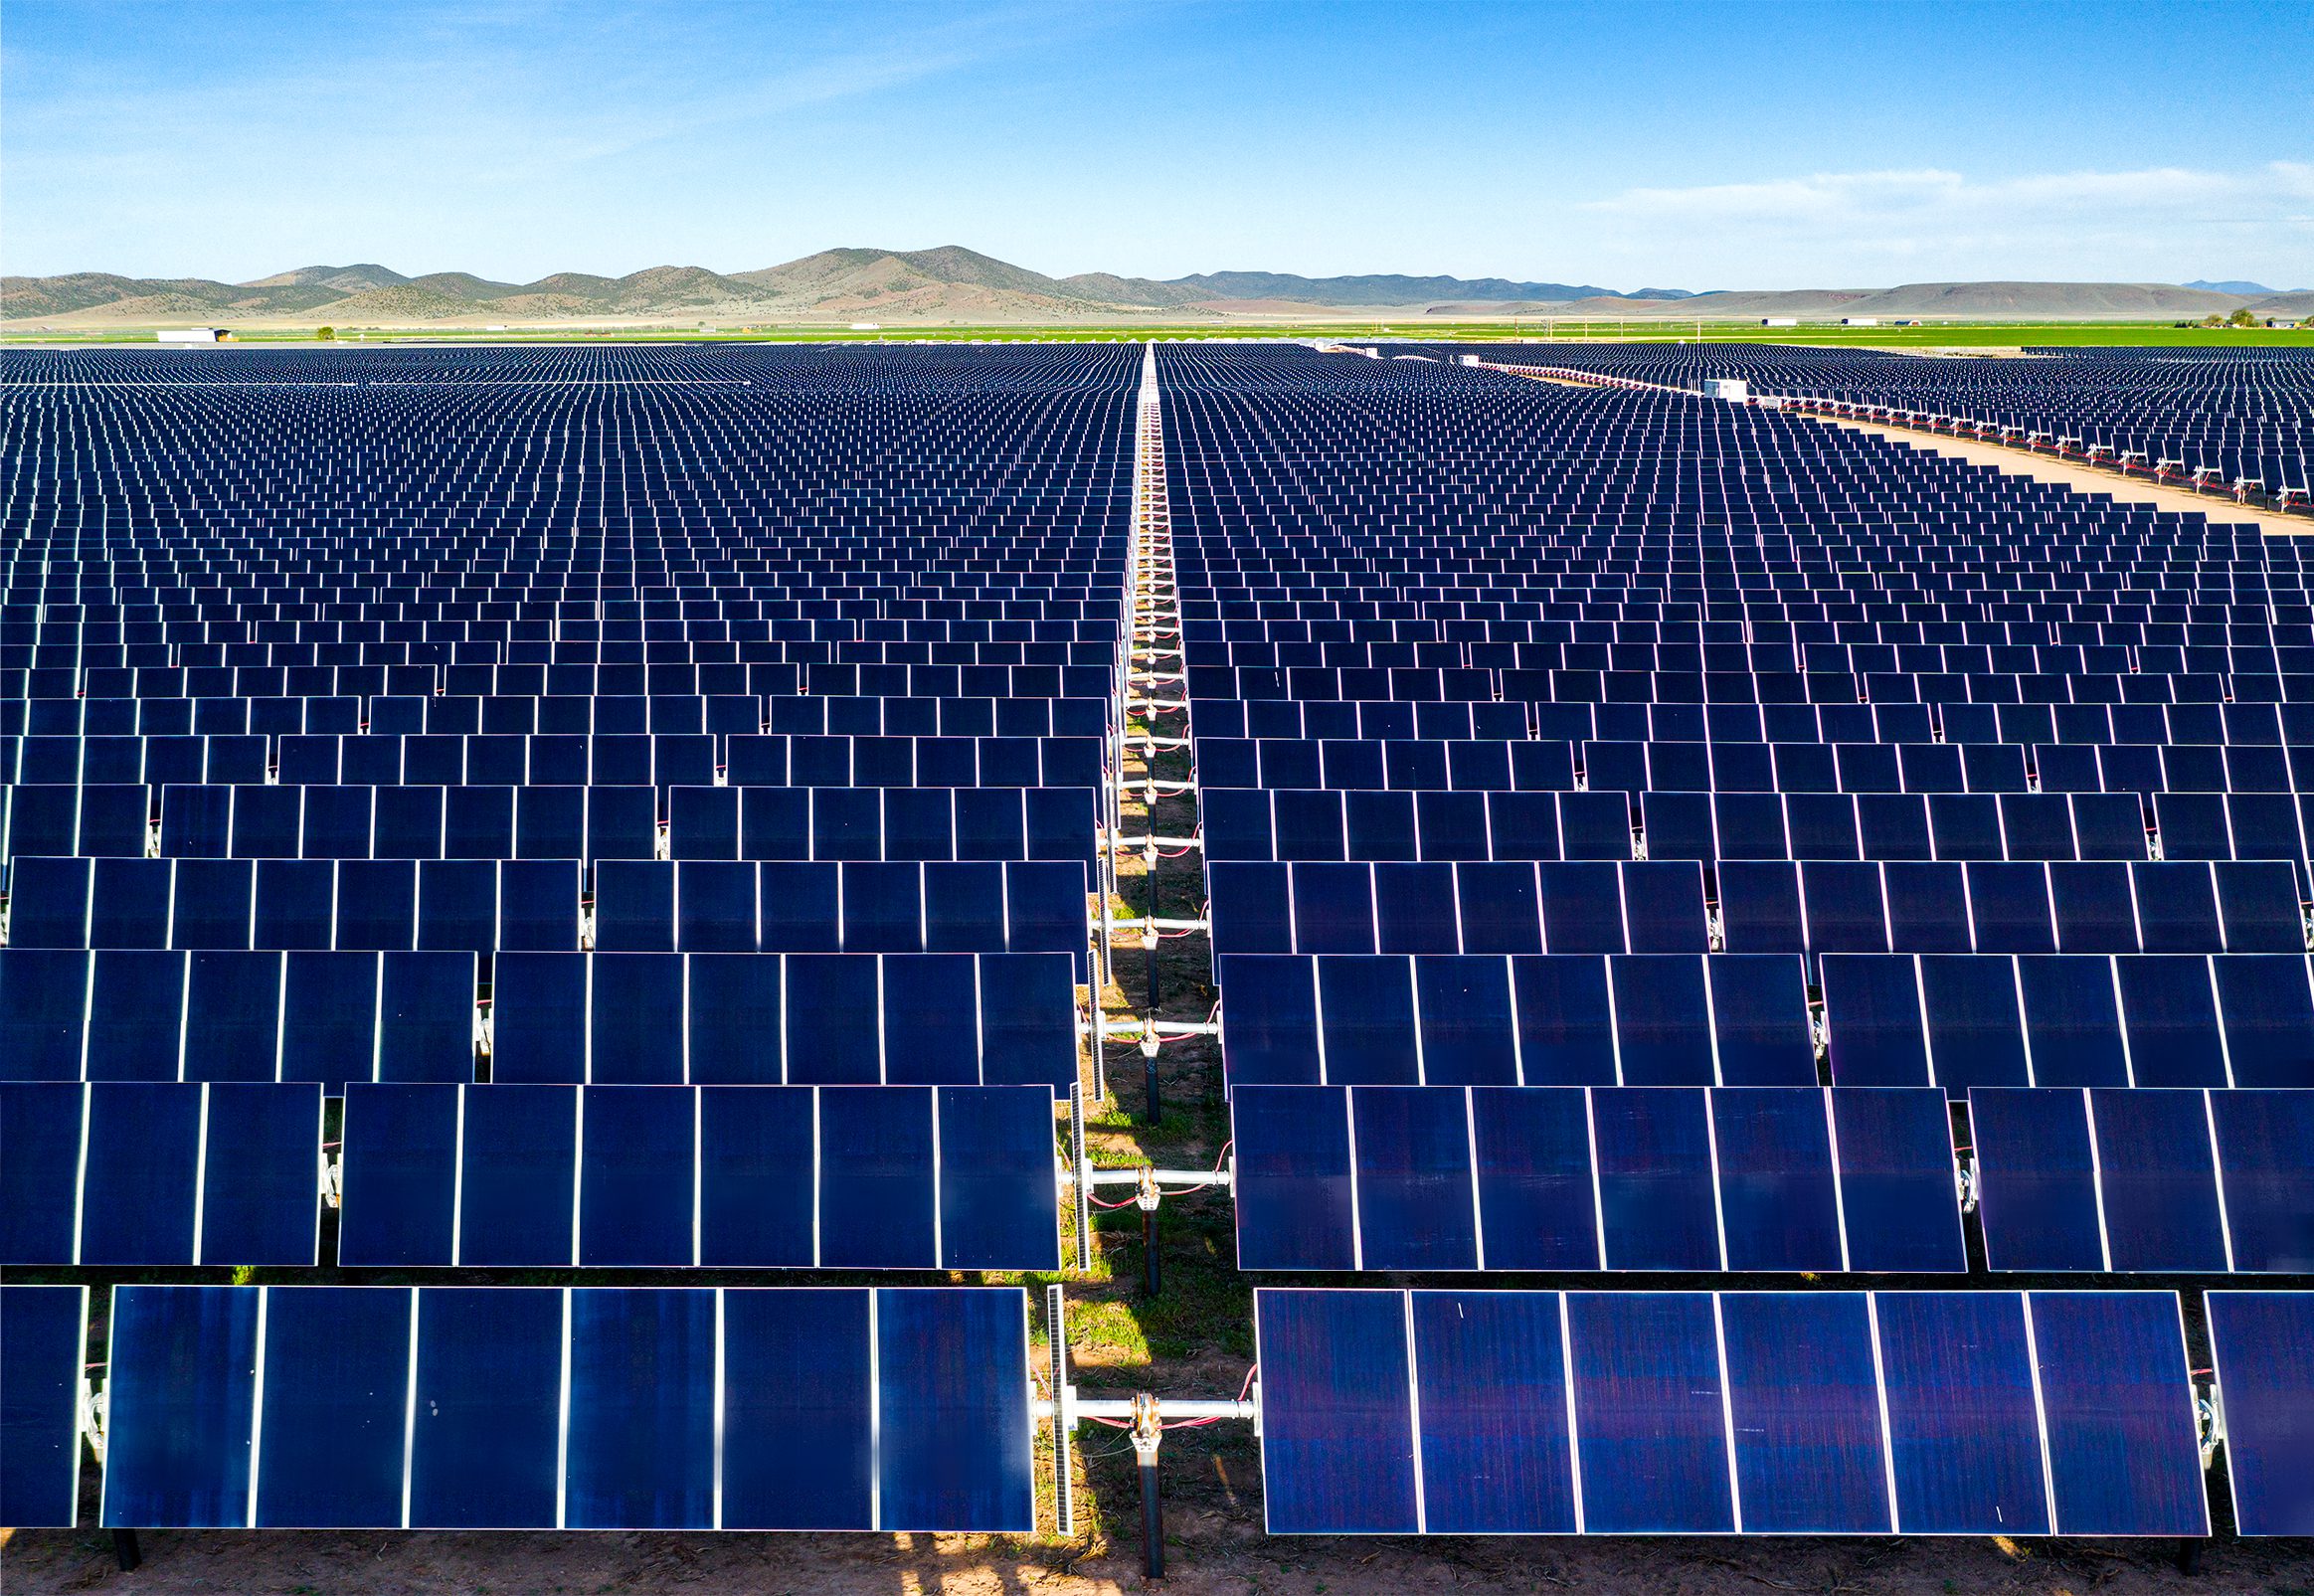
pixel 1148 931
pixel 1145 1198
pixel 1148 1432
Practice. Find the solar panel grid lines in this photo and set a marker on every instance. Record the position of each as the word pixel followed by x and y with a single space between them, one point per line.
pixel 512 1407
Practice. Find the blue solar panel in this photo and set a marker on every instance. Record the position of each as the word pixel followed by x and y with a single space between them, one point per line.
pixel 42 1338
pixel 2264 1144
pixel 1963 1440
pixel 2157 1182
pixel 178 1448
pixel 799 1449
pixel 1650 1407
pixel 1804 1410
pixel 1337 1424
pixel 1896 1180
pixel 484 1407
pixel 1417 1205
pixel 642 1404
pixel 2038 1181
pixel 951 1417
pixel 1779 1198
pixel 330 1433
pixel 1496 1453
pixel 2260 1348
pixel 1538 1204
pixel 2123 1444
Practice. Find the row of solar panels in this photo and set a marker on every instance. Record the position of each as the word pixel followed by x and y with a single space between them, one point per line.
pixel 1763 906
pixel 625 1018
pixel 1744 687
pixel 1328 824
pixel 2290 724
pixel 40 621
pixel 1741 630
pixel 508 823
pixel 1771 646
pixel 1733 1019
pixel 155 1174
pixel 555 651
pixel 1745 1179
pixel 2266 654
pixel 602 759
pixel 526 1408
pixel 1655 575
pixel 154 586
pixel 1382 1412
pixel 1886 768
pixel 1768 649
pixel 24 622
pixel 1771 1179
pixel 481 679
pixel 486 906
pixel 454 714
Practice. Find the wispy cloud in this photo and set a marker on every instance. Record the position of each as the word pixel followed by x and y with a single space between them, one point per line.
pixel 2154 222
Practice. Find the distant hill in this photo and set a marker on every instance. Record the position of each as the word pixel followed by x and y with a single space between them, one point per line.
pixel 902 287
pixel 350 279
pixel 1379 290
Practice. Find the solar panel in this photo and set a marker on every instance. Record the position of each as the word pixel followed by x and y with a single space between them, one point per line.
pixel 43 1341
pixel 525 1407
pixel 2260 1349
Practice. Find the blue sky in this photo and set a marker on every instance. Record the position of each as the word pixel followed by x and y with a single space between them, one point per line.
pixel 1685 145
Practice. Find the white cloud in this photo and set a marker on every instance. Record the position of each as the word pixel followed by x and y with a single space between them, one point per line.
pixel 1869 228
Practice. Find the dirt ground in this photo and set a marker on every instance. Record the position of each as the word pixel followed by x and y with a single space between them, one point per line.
pixel 1213 1549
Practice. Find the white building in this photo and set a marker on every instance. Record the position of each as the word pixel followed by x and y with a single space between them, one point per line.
pixel 1779 321
pixel 1859 322
pixel 1732 389
pixel 190 335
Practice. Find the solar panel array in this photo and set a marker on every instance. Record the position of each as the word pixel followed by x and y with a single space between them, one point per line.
pixel 564 810
pixel 561 809
pixel 2234 413
pixel 1644 835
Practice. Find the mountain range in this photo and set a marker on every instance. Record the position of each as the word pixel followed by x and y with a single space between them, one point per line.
pixel 956 285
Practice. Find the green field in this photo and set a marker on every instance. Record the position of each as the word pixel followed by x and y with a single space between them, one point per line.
pixel 1938 335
